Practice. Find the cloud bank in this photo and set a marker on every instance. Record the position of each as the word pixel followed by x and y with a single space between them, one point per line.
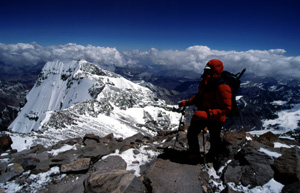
pixel 261 62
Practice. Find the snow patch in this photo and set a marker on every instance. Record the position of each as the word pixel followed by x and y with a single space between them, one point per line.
pixel 278 103
pixel 64 148
pixel 280 145
pixel 270 153
pixel 271 187
pixel 136 158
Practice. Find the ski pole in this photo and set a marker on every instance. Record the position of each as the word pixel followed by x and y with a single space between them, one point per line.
pixel 181 124
pixel 204 159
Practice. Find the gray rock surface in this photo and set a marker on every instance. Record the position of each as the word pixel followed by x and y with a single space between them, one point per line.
pixel 83 169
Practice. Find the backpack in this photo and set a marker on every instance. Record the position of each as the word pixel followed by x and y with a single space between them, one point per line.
pixel 233 81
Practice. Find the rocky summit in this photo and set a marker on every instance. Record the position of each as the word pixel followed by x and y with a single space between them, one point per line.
pixel 140 163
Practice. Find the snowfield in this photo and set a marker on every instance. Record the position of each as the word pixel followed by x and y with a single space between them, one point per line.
pixel 71 99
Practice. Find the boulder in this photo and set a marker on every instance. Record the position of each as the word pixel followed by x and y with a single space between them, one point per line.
pixel 5 143
pixel 65 158
pixel 233 174
pixel 42 166
pixel 251 167
pixel 70 184
pixel 79 165
pixel 107 138
pixel 111 162
pixel 287 166
pixel 95 152
pixel 92 139
pixel 28 163
pixel 113 181
pixel 42 156
pixel 234 141
pixel 292 188
pixel 166 176
pixel 72 141
pixel 3 166
pixel 13 170
pixel 89 142
pixel 256 175
pixel 268 139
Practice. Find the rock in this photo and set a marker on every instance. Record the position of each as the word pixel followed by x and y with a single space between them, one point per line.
pixel 38 148
pixel 15 167
pixel 42 166
pixel 95 152
pixel 292 188
pixel 65 157
pixel 91 139
pixel 28 161
pixel 113 181
pixel 166 176
pixel 111 162
pixel 5 143
pixel 12 171
pixel 69 184
pixel 268 139
pixel 23 153
pixel 3 166
pixel 250 154
pixel 107 138
pixel 256 175
pixel 234 141
pixel 137 138
pixel 42 156
pixel 287 166
pixel 251 167
pixel 233 174
pixel 83 170
pixel 72 141
pixel 89 142
pixel 80 165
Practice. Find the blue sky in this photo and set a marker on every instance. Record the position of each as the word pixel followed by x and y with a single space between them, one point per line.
pixel 162 24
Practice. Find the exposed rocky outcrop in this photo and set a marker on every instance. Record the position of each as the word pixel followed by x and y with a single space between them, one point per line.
pixel 5 143
pixel 99 164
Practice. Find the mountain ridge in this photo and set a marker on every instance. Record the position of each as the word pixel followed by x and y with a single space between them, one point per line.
pixel 79 97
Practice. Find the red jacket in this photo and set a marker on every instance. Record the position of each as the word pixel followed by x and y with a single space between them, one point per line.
pixel 212 97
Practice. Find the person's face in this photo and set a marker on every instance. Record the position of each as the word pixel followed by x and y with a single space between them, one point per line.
pixel 207 72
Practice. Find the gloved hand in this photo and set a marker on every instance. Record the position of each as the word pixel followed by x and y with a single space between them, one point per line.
pixel 199 115
pixel 183 103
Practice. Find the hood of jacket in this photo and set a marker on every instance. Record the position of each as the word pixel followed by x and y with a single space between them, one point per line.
pixel 213 70
pixel 216 67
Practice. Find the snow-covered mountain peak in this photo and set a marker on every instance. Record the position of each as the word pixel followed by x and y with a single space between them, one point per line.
pixel 73 98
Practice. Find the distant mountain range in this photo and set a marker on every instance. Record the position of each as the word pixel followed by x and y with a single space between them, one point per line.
pixel 262 100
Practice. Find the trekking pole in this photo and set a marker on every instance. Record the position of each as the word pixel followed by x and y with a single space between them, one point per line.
pixel 204 159
pixel 181 124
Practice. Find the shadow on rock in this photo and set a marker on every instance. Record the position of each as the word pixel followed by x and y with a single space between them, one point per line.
pixel 181 157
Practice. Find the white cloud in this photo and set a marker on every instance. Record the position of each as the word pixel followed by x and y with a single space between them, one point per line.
pixel 261 62
pixel 31 54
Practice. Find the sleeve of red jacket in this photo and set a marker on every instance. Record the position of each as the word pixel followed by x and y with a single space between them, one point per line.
pixel 196 97
pixel 223 96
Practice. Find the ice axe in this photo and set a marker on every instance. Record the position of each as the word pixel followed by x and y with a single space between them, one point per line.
pixel 181 124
